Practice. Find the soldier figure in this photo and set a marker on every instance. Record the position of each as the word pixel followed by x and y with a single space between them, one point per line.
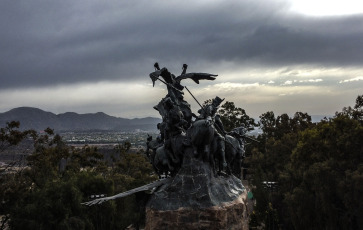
pixel 239 133
pixel 174 123
pixel 209 112
pixel 176 112
pixel 175 89
pixel 174 119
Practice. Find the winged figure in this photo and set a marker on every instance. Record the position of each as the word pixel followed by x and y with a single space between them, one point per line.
pixel 175 89
pixel 175 81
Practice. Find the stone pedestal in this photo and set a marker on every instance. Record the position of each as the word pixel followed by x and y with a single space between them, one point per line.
pixel 231 216
pixel 197 199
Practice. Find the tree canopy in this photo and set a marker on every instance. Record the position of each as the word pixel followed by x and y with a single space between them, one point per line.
pixel 316 170
pixel 48 192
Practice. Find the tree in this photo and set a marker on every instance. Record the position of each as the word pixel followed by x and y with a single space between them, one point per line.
pixel 322 168
pixel 300 122
pixel 10 135
pixel 233 117
pixel 268 123
pixel 12 183
pixel 356 112
pixel 44 195
pixel 318 168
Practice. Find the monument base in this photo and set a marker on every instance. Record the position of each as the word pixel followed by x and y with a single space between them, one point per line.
pixel 197 199
pixel 231 215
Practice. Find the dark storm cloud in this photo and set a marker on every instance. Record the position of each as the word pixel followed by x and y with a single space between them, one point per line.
pixel 46 43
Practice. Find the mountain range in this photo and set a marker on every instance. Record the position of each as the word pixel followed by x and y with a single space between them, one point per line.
pixel 37 119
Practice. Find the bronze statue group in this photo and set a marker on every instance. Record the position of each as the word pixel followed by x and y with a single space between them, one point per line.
pixel 192 151
pixel 181 128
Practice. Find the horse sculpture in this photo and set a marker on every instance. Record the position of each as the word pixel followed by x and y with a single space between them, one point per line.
pixel 166 160
pixel 201 135
pixel 234 153
pixel 157 157
pixel 152 145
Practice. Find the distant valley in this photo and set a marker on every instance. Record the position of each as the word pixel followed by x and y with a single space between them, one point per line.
pixel 37 119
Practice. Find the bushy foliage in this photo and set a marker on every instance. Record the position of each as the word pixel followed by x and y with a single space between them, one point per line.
pixel 10 135
pixel 48 192
pixel 233 117
pixel 318 169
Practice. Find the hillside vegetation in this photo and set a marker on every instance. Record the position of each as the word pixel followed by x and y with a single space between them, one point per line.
pixel 316 168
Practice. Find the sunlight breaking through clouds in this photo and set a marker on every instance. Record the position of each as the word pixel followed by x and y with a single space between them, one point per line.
pixel 56 54
pixel 326 7
pixel 289 82
pixel 255 89
pixel 231 86
pixel 359 78
pixel 311 80
pixel 114 98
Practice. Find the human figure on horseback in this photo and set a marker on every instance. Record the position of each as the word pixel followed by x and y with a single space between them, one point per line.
pixel 175 88
pixel 175 124
pixel 235 150
pixel 239 133
pixel 209 112
pixel 177 119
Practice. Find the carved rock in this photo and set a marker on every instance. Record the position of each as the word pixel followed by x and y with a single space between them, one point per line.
pixel 230 215
pixel 197 199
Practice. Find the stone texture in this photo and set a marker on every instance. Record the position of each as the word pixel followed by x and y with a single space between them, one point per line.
pixel 197 199
pixel 195 186
pixel 230 215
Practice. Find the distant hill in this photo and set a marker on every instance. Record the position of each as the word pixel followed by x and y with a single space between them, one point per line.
pixel 37 119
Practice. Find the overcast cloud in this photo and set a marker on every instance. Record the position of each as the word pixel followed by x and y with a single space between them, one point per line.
pixel 90 56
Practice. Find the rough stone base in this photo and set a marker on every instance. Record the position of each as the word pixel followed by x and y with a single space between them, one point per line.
pixel 195 186
pixel 197 198
pixel 231 216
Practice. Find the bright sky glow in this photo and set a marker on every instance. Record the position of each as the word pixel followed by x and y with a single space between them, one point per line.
pixel 92 56
pixel 94 97
pixel 360 78
pixel 327 7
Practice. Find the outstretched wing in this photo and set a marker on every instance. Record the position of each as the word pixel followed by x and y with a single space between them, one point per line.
pixel 196 77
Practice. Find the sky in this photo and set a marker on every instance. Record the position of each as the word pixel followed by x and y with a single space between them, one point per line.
pixel 96 56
